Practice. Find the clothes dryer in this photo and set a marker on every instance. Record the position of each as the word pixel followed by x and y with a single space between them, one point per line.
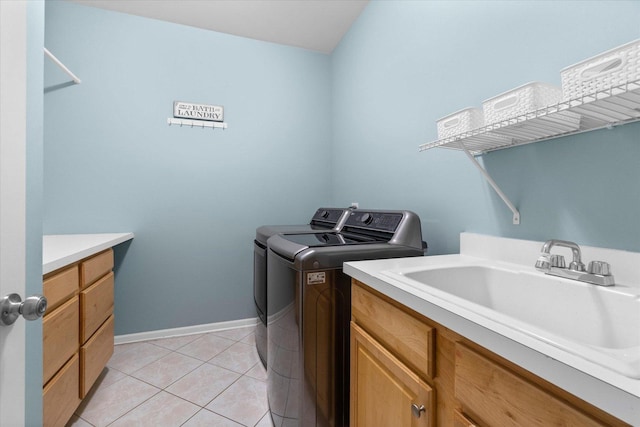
pixel 322 219
pixel 309 309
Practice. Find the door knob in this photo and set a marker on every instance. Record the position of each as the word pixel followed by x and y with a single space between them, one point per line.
pixel 12 306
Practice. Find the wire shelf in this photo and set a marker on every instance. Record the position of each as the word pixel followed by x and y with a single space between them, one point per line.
pixel 603 109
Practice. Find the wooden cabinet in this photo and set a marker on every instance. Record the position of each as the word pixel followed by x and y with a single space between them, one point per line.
pixel 397 354
pixel 59 337
pixel 95 267
pixel 411 338
pixel 494 395
pixel 96 305
pixel 384 391
pixel 77 332
pixel 391 354
pixel 460 420
pixel 94 355
pixel 60 396
pixel 60 286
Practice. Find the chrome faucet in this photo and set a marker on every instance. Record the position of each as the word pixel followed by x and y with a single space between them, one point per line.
pixel 576 264
pixel 598 272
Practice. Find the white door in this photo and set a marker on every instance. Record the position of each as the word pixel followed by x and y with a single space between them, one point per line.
pixel 13 75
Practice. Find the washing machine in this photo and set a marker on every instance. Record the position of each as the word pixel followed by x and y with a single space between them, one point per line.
pixel 322 219
pixel 309 309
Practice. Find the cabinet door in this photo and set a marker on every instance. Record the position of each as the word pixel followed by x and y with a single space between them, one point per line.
pixel 384 392
pixel 495 396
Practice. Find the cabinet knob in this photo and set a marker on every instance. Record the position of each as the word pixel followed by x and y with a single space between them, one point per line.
pixel 417 410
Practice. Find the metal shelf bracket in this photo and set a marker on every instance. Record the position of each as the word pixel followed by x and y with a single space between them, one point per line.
pixel 485 174
pixel 64 68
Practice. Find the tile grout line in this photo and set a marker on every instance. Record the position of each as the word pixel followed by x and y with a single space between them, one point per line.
pixel 135 407
pixel 174 351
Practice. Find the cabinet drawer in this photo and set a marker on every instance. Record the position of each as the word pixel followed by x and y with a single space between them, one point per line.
pixel 496 396
pixel 59 337
pixel 411 340
pixel 60 286
pixel 60 397
pixel 94 356
pixel 96 304
pixel 95 267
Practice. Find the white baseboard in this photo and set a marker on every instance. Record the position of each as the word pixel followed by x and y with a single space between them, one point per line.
pixel 187 330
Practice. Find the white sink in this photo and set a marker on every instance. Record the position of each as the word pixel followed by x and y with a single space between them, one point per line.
pixel 597 323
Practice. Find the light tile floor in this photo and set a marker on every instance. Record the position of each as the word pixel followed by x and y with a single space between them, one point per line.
pixel 212 379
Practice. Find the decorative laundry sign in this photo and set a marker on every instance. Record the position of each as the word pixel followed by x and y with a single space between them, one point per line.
pixel 187 110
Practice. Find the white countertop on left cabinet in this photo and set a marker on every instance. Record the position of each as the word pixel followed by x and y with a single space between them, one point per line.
pixel 63 249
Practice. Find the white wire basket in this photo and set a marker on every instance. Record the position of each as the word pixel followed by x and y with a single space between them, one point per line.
pixel 611 68
pixel 519 101
pixel 460 122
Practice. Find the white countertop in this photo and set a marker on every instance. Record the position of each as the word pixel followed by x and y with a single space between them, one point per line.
pixel 64 249
pixel 616 394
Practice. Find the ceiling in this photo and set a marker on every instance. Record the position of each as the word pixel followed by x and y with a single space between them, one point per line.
pixel 317 25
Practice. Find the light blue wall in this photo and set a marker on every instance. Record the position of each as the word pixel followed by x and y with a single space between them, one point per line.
pixel 33 236
pixel 307 129
pixel 192 197
pixel 405 64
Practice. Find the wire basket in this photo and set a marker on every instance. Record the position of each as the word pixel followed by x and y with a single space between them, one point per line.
pixel 519 101
pixel 460 122
pixel 611 68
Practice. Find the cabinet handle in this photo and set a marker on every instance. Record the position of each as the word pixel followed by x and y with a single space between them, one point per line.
pixel 417 410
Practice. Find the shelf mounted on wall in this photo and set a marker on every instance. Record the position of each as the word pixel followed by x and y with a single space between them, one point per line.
pixel 602 109
pixel 607 108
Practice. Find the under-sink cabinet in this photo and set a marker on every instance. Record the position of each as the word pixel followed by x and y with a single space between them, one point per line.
pixel 407 370
pixel 77 333
pixel 391 359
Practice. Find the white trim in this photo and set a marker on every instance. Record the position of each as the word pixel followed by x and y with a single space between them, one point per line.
pixel 187 330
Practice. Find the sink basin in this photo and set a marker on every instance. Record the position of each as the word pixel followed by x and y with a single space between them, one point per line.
pixel 600 324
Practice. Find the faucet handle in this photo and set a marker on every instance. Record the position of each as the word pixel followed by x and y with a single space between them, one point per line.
pixel 599 267
pixel 576 266
pixel 557 261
